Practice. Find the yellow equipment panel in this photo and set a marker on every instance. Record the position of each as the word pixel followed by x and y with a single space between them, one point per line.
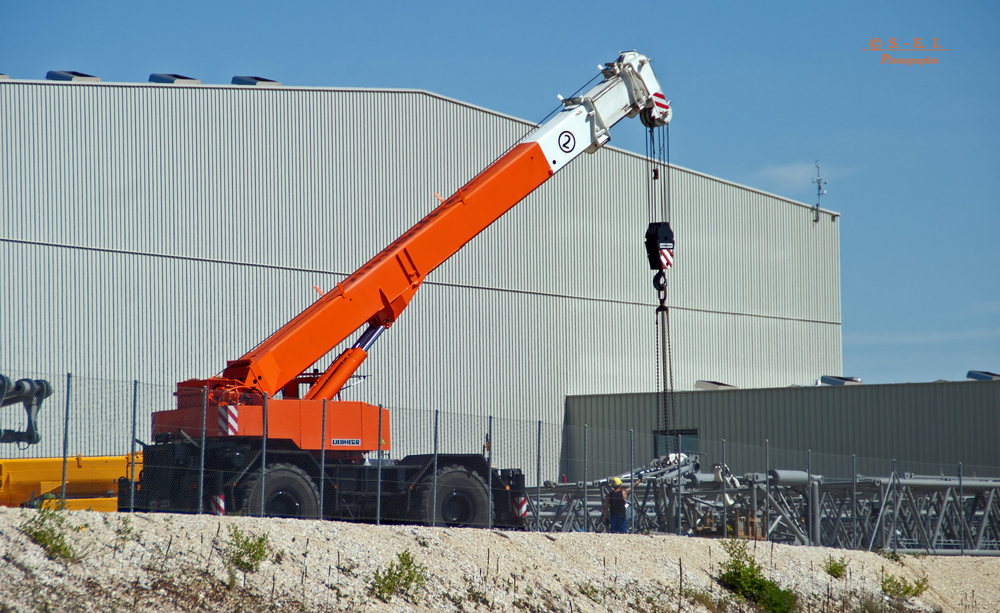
pixel 91 482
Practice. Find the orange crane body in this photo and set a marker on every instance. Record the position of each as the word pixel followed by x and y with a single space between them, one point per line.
pixel 375 294
pixel 263 449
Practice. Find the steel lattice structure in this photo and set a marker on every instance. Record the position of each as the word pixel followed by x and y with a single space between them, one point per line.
pixel 903 513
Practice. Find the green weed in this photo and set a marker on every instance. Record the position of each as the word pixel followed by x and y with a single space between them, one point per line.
pixel 587 589
pixel 124 532
pixel 48 530
pixel 836 568
pixel 245 551
pixel 475 595
pixel 404 577
pixel 705 599
pixel 898 587
pixel 889 554
pixel 743 576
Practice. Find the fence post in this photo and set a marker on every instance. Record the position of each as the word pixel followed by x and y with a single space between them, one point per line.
pixel 69 378
pixel 378 473
pixel 809 500
pixel 895 541
pixel 263 456
pixel 631 472
pixel 680 483
pixel 855 540
pixel 201 461
pixel 489 462
pixel 586 501
pixel 435 475
pixel 725 501
pixel 814 494
pixel 538 481
pixel 322 465
pixel 131 481
pixel 961 507
pixel 767 489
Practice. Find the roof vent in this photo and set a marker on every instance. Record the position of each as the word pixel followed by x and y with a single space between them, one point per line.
pixel 982 375
pixel 831 380
pixel 713 385
pixel 71 75
pixel 255 81
pixel 177 79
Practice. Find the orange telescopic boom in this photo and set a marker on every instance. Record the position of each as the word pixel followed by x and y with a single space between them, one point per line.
pixel 377 293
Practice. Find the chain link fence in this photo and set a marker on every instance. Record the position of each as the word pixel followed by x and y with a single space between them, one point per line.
pixel 443 468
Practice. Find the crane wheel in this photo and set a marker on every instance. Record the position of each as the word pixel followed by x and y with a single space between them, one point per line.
pixel 288 492
pixel 462 499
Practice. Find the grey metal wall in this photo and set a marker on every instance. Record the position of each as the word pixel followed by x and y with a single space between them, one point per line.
pixel 152 232
pixel 928 428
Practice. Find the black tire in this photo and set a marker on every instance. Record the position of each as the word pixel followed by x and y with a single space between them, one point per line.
pixel 463 499
pixel 288 492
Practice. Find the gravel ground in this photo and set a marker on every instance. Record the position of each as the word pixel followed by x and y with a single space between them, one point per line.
pixel 164 563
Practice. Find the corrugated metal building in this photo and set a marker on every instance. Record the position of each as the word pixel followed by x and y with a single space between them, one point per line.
pixel 928 428
pixel 153 231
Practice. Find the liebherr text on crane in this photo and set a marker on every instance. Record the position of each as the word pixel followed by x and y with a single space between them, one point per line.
pixel 268 378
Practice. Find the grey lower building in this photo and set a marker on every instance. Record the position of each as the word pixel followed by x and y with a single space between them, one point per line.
pixel 153 231
pixel 920 428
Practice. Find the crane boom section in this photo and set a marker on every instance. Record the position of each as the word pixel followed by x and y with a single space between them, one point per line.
pixel 378 292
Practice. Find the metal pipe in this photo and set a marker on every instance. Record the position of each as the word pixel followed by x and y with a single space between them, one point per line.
pixel 961 506
pixel 131 481
pixel 322 466
pixel 792 478
pixel 725 502
pixel 69 378
pixel 951 552
pixel 631 472
pixel 895 511
pixel 378 473
pixel 855 543
pixel 586 521
pixel 368 337
pixel 767 489
pixel 435 477
pixel 489 462
pixel 263 456
pixel 815 506
pixel 945 482
pixel 809 496
pixel 680 483
pixel 538 480
pixel 201 455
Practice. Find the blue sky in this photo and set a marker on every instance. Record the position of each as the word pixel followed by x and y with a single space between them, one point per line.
pixel 761 90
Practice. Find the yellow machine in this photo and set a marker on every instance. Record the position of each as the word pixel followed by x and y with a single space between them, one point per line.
pixel 91 482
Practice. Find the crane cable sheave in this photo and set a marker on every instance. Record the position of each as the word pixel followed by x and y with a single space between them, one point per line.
pixel 629 88
pixel 647 98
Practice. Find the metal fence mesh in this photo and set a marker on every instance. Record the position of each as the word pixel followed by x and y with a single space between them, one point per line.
pixel 565 481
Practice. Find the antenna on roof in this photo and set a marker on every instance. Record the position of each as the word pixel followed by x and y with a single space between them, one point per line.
pixel 820 182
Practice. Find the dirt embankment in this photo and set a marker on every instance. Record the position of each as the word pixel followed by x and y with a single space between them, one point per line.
pixel 165 563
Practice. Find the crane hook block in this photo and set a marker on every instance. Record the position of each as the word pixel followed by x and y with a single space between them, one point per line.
pixel 660 245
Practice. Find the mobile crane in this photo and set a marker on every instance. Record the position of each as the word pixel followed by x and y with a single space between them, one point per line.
pixel 267 380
